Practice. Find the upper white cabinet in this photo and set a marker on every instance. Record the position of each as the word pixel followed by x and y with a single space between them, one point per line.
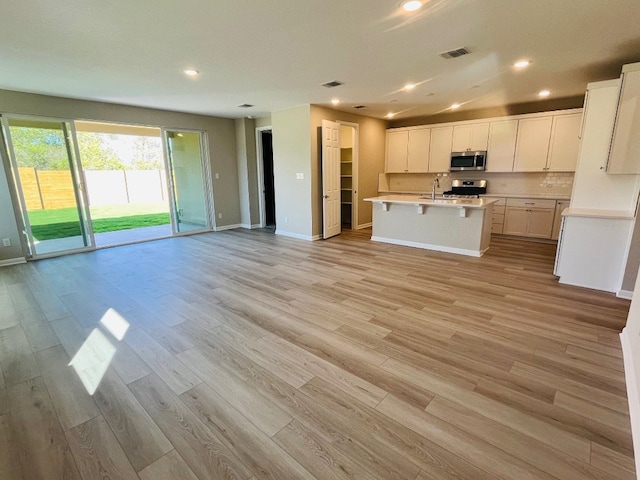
pixel 532 145
pixel 624 156
pixel 471 137
pixel 440 152
pixel 418 150
pixel 408 151
pixel 396 158
pixel 502 145
pixel 565 143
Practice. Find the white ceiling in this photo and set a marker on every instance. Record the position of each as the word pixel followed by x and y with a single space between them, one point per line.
pixel 274 54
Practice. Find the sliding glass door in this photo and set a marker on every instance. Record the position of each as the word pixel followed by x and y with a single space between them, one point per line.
pixel 188 177
pixel 48 177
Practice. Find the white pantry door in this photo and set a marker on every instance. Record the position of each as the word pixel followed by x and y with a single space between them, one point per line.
pixel 330 179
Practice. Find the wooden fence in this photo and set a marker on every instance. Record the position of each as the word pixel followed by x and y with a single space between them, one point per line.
pixel 51 189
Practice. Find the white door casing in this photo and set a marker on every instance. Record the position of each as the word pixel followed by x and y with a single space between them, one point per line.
pixel 331 222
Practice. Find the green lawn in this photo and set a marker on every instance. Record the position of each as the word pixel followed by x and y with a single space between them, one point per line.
pixel 63 222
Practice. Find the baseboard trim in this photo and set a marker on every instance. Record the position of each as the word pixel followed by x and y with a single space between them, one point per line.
pixel 626 294
pixel 250 227
pixel 633 395
pixel 428 246
pixel 12 261
pixel 299 236
pixel 227 227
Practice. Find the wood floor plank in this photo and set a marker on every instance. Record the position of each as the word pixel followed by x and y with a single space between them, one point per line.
pixel 260 411
pixel 18 364
pixel 141 439
pixel 521 446
pixel 203 452
pixel 97 452
pixel 490 459
pixel 337 359
pixel 548 434
pixel 586 408
pixel 169 467
pixel 172 371
pixel 256 450
pixel 43 449
pixel 71 400
pixel 10 467
pixel 618 466
pixel 41 336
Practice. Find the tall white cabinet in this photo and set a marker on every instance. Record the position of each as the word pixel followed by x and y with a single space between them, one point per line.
pixel 597 227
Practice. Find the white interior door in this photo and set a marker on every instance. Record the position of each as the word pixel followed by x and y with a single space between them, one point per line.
pixel 330 179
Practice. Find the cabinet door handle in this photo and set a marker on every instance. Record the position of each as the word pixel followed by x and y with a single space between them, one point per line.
pixel 529 203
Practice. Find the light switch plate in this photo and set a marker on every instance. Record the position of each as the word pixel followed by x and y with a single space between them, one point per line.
pixel 299 176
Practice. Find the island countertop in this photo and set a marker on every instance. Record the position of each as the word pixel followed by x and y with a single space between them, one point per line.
pixel 437 202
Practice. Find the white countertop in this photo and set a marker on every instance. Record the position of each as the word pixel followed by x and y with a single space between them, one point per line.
pixel 595 213
pixel 438 202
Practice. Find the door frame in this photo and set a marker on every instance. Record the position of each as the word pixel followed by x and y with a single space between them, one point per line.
pixel 205 165
pixel 354 172
pixel 77 178
pixel 260 167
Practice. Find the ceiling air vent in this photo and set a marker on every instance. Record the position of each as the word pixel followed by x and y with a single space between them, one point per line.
pixel 458 52
pixel 359 107
pixel 246 105
pixel 332 84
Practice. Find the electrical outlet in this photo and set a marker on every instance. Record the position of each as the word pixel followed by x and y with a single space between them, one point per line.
pixel 286 219
pixel 217 176
pixel 220 215
pixel 6 242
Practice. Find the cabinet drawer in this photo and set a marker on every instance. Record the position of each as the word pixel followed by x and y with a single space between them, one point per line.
pixel 530 203
pixel 500 202
pixel 497 218
pixel 498 208
pixel 496 228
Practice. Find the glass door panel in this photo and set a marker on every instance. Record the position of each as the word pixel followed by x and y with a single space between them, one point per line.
pixel 185 155
pixel 48 177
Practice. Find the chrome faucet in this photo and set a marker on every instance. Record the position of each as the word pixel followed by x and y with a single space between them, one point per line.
pixel 436 183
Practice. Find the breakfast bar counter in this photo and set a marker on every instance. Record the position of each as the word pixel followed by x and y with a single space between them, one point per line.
pixel 458 225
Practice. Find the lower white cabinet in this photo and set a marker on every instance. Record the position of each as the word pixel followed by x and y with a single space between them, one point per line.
pixel 529 217
pixel 557 218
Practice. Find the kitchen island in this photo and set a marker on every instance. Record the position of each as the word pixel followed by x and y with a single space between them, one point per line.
pixel 461 225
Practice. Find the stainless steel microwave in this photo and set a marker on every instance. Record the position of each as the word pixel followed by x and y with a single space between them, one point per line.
pixel 468 161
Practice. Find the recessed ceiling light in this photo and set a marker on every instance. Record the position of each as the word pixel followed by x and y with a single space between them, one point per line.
pixel 335 101
pixel 544 93
pixel 412 5
pixel 390 115
pixel 522 64
pixel 190 72
pixel 409 86
pixel 454 106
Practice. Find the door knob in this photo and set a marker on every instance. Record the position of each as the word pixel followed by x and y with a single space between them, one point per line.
pixel 325 196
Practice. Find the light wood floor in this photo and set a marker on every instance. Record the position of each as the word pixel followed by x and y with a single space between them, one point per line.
pixel 252 356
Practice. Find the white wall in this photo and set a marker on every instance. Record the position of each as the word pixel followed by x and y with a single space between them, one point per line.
pixel 8 226
pixel 291 160
pixel 630 338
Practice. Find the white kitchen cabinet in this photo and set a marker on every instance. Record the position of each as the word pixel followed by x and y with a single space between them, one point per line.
pixel 532 145
pixel 408 151
pixel 565 143
pixel 502 145
pixel 497 220
pixel 440 149
pixel 473 137
pixel 529 217
pixel 557 218
pixel 418 150
pixel 624 156
pixel 397 143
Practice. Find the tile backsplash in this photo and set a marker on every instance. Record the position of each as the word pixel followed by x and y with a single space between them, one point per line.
pixel 539 183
